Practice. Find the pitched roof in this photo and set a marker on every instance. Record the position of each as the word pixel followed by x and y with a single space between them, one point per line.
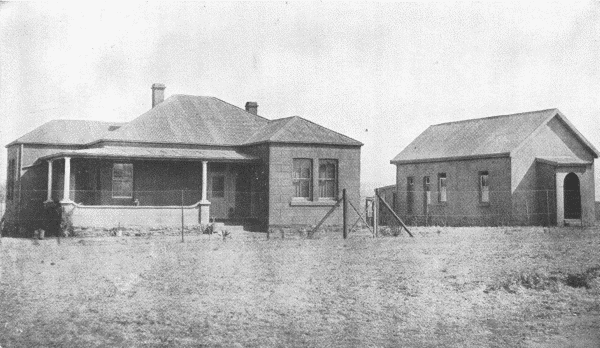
pixel 185 119
pixel 296 129
pixel 155 153
pixel 191 120
pixel 67 132
pixel 489 136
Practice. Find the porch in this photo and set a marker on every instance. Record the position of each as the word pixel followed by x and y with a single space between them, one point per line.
pixel 198 186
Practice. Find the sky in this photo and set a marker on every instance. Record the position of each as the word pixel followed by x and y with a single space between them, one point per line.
pixel 378 72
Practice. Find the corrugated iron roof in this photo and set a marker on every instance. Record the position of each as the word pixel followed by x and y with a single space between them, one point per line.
pixel 296 129
pixel 67 132
pixel 185 119
pixel 155 153
pixel 497 135
pixel 191 120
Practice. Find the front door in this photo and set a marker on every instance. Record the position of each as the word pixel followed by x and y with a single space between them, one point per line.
pixel 572 197
pixel 217 195
pixel 243 193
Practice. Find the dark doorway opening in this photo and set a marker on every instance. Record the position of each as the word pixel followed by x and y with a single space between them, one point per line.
pixel 572 202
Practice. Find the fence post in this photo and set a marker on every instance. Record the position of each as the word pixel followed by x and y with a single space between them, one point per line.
pixel 376 213
pixel 345 213
pixel 182 222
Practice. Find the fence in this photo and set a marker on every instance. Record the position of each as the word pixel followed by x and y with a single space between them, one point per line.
pixel 466 208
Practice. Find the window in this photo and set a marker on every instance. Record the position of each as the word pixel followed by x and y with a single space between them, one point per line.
pixel 218 186
pixel 427 190
pixel 10 180
pixel 442 197
pixel 302 178
pixel 122 180
pixel 484 187
pixel 328 178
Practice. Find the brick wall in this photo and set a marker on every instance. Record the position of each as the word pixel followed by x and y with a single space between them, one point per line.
pixel 463 205
pixel 110 217
pixel 283 210
pixel 554 139
pixel 260 185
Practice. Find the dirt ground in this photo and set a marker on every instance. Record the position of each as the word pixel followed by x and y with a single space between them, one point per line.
pixel 447 287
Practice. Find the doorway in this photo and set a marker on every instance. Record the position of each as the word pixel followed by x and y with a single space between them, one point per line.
pixel 572 197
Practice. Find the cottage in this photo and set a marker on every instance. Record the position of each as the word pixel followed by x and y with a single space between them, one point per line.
pixel 526 168
pixel 199 155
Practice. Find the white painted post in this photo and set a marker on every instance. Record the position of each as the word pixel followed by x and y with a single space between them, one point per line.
pixel 204 180
pixel 204 203
pixel 49 195
pixel 67 181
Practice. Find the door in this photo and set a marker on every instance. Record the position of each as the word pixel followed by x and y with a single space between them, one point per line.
pixel 243 193
pixel 572 197
pixel 217 195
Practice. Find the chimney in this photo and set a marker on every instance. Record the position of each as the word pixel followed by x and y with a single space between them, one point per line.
pixel 252 107
pixel 158 93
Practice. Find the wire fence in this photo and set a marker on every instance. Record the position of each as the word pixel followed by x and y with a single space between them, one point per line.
pixel 471 207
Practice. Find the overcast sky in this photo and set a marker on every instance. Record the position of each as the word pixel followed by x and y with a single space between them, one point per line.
pixel 380 73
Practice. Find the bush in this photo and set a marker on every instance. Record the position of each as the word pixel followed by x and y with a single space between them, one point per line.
pixel 540 281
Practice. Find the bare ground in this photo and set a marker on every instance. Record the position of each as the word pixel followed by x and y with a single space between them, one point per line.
pixel 450 287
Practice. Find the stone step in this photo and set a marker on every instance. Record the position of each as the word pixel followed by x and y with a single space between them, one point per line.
pixel 573 222
pixel 220 226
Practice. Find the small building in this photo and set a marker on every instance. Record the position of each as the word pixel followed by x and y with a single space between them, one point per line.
pixel 192 154
pixel 531 168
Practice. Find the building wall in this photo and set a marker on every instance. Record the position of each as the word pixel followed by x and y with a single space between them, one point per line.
pixel 554 139
pixel 283 210
pixel 545 208
pixel 110 217
pixel 260 186
pixel 463 205
pixel 11 219
pixel 25 212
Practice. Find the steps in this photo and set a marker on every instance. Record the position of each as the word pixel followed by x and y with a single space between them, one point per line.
pixel 573 222
pixel 220 226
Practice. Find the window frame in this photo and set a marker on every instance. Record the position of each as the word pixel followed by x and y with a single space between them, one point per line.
pixel 326 180
pixel 442 188
pixel 298 180
pixel 427 189
pixel 121 180
pixel 480 176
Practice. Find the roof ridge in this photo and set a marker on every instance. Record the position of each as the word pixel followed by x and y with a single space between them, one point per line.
pixel 492 117
pixel 282 127
pixel 221 100
pixel 235 106
pixel 70 120
pixel 316 124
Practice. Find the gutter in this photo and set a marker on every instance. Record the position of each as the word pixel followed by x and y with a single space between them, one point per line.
pixel 454 158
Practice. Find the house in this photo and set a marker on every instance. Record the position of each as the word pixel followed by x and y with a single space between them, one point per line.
pixel 195 156
pixel 531 168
